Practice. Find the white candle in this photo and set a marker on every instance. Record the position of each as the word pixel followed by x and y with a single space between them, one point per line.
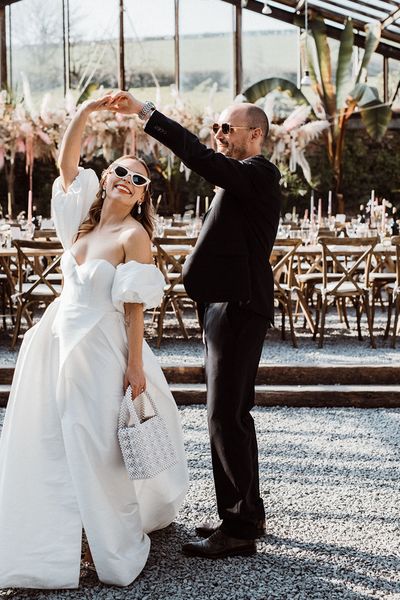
pixel 330 203
pixel 372 197
pixel 319 210
pixel 198 207
pixel 312 207
pixel 294 213
pixel 206 204
pixel 30 206
pixel 383 212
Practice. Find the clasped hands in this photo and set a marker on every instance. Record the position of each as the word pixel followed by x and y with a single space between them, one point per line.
pixel 121 102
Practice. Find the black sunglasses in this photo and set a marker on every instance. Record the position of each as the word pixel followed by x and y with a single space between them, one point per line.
pixel 227 128
pixel 137 179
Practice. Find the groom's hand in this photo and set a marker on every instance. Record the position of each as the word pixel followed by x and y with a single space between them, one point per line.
pixel 125 103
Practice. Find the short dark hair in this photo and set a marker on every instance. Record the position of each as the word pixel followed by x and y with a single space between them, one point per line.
pixel 256 117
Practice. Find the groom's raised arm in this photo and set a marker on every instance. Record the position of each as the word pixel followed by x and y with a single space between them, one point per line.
pixel 218 169
pixel 227 173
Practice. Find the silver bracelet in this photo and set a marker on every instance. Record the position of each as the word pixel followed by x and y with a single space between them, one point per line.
pixel 146 109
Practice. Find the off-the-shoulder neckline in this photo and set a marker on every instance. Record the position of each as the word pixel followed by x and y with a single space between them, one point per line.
pixel 107 261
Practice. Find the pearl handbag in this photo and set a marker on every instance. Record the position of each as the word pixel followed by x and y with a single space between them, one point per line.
pixel 146 447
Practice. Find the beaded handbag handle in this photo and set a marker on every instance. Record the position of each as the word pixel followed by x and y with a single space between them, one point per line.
pixel 128 408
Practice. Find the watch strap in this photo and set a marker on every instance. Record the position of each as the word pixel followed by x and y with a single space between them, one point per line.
pixel 146 109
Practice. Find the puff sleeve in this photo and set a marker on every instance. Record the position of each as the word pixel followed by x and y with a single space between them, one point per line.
pixel 137 283
pixel 70 208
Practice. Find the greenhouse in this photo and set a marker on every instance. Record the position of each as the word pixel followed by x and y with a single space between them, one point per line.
pixel 199 299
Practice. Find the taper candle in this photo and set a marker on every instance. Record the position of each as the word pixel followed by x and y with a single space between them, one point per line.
pixel 330 203
pixel 312 207
pixel 30 206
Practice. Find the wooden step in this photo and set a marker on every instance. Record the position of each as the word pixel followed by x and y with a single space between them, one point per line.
pixel 286 385
pixel 361 396
pixel 6 374
pixel 328 374
pixel 294 374
pixel 290 374
pixel 4 393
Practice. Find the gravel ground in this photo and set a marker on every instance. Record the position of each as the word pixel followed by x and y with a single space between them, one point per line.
pixel 341 345
pixel 330 480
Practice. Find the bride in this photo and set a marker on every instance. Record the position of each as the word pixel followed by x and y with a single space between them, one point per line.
pixel 61 468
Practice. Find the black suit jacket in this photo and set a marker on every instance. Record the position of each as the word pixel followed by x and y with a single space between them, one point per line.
pixel 230 262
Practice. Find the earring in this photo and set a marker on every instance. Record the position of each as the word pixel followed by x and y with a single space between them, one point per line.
pixel 103 193
pixel 139 210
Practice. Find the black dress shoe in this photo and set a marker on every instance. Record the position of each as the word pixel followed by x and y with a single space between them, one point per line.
pixel 220 545
pixel 207 528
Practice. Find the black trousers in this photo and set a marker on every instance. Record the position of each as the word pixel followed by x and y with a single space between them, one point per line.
pixel 234 338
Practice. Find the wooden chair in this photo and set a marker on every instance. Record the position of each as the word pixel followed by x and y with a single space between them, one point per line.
pixel 6 290
pixel 36 282
pixel 393 291
pixel 350 286
pixel 171 255
pixel 45 234
pixel 284 281
pixel 383 272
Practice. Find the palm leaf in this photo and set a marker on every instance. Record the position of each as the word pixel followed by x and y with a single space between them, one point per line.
pixel 363 94
pixel 373 31
pixel 315 95
pixel 87 92
pixel 318 29
pixel 376 118
pixel 265 86
pixel 343 70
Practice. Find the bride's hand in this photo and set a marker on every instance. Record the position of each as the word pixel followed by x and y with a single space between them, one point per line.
pixel 125 103
pixel 135 377
pixel 102 103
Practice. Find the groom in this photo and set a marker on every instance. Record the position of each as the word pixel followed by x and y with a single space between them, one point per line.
pixel 230 277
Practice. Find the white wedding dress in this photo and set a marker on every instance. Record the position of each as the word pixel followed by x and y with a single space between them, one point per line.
pixel 61 468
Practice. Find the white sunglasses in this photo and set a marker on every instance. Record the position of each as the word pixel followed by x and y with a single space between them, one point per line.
pixel 137 179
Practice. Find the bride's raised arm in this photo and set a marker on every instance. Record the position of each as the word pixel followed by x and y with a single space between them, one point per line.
pixel 71 144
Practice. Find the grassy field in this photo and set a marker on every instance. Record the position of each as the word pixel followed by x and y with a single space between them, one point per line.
pixel 208 57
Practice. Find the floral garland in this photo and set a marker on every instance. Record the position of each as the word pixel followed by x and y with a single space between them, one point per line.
pixel 288 141
pixel 38 136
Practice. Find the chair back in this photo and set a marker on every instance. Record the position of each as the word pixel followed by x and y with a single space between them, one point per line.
pixel 29 253
pixel 336 250
pixel 395 241
pixel 171 256
pixel 283 269
pixel 45 234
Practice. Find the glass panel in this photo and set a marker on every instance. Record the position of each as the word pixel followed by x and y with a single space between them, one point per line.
pixel 150 47
pixel 270 49
pixel 394 79
pixel 8 45
pixel 375 73
pixel 93 43
pixel 206 52
pixel 37 46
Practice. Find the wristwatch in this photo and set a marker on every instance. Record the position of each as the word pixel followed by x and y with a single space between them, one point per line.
pixel 147 108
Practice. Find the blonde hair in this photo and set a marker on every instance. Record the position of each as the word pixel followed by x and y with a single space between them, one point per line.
pixel 146 216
